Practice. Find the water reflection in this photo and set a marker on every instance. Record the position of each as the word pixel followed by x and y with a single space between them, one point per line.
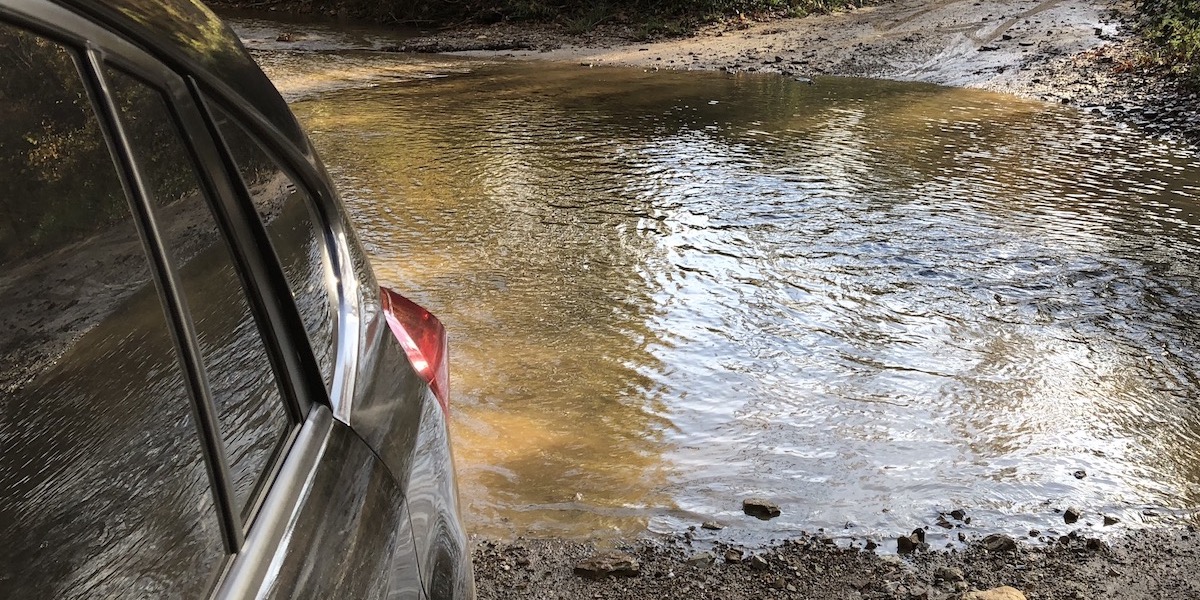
pixel 870 301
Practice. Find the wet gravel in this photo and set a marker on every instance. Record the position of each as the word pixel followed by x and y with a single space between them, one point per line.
pixel 1161 563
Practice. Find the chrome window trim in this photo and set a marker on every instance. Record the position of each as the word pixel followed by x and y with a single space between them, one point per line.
pixel 254 569
pixel 306 173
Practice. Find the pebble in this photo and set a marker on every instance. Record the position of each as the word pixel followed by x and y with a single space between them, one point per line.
pixel 949 574
pixel 712 526
pixel 611 562
pixel 758 563
pixel 733 555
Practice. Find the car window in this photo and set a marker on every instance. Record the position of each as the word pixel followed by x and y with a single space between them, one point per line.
pixel 286 211
pixel 103 487
pixel 249 404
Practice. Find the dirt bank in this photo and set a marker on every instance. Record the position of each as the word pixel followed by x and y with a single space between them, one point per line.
pixel 1079 52
pixel 1141 565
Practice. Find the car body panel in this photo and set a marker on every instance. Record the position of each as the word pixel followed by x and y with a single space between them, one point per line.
pixel 335 517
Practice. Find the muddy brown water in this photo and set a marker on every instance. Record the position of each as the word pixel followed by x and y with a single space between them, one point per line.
pixel 871 302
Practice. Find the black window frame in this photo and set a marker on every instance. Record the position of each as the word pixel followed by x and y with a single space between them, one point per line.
pixel 95 47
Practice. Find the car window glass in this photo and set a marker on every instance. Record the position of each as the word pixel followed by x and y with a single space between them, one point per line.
pixel 103 488
pixel 249 405
pixel 286 212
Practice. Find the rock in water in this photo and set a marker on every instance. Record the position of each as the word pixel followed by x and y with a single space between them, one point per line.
pixel 607 563
pixel 1071 515
pixel 1001 593
pixel 712 526
pixel 761 508
pixel 918 535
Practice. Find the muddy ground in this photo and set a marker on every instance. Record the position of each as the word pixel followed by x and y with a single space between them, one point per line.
pixel 1156 564
pixel 1077 52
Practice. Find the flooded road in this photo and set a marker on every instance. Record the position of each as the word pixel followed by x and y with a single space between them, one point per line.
pixel 871 302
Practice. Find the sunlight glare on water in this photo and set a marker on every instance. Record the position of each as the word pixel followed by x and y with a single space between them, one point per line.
pixel 869 301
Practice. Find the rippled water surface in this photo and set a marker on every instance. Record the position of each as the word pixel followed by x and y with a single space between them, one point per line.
pixel 868 301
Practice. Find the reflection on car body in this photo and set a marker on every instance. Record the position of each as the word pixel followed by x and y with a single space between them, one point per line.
pixel 204 393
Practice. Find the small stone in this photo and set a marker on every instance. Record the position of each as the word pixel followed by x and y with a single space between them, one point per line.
pixel 606 563
pixel 943 523
pixel 758 563
pixel 870 545
pixel 1150 512
pixel 761 508
pixel 1080 474
pixel 1034 533
pixel 1096 545
pixel 998 542
pixel 1108 520
pixel 918 535
pixel 958 513
pixel 949 574
pixel 701 559
pixel 778 583
pixel 1071 515
pixel 712 526
pixel 733 555
pixel 1003 592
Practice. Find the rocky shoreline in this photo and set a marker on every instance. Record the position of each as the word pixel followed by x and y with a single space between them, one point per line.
pixel 1160 563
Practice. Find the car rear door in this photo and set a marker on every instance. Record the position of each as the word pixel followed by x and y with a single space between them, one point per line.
pixel 170 434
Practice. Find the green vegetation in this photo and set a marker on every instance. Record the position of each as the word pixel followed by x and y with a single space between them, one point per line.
pixel 673 17
pixel 1173 29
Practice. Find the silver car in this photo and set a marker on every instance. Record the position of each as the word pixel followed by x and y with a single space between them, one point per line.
pixel 203 391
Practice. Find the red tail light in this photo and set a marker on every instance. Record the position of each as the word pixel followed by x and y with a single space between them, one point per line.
pixel 424 340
